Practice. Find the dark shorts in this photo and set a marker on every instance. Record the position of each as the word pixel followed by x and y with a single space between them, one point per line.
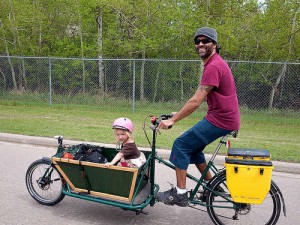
pixel 188 147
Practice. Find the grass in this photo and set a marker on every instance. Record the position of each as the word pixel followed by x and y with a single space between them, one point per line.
pixel 277 131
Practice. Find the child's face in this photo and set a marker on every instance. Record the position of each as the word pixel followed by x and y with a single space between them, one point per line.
pixel 121 135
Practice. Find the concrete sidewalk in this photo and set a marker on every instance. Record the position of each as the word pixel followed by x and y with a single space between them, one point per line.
pixel 51 142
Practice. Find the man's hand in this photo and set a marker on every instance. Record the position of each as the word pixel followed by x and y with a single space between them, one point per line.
pixel 165 124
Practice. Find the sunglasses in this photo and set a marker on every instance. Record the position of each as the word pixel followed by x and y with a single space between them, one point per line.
pixel 203 41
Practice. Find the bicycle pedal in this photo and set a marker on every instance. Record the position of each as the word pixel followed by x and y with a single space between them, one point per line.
pixel 197 196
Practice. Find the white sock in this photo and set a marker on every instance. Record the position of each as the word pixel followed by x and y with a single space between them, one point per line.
pixel 180 191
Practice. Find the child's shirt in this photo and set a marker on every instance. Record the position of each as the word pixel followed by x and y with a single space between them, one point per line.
pixel 133 157
pixel 130 151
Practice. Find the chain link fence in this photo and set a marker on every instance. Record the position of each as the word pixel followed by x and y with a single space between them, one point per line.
pixel 260 85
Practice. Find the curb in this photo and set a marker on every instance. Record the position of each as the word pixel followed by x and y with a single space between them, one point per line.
pixel 51 142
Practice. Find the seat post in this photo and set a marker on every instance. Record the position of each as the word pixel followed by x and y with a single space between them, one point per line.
pixel 222 141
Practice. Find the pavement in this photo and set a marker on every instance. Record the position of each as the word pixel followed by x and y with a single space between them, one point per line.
pixel 285 167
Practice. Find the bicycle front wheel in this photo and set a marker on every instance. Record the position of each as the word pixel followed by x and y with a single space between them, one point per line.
pixel 222 210
pixel 44 183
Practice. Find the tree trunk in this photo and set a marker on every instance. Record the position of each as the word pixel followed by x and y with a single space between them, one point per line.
pixel 142 76
pixel 100 57
pixel 18 47
pixel 201 71
pixel 4 80
pixel 24 74
pixel 13 74
pixel 119 76
pixel 23 81
pixel 82 54
pixel 181 83
pixel 274 87
pixel 156 83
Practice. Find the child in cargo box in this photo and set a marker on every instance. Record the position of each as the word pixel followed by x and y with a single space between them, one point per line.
pixel 129 156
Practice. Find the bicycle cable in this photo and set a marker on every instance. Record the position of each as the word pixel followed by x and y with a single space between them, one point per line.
pixel 144 129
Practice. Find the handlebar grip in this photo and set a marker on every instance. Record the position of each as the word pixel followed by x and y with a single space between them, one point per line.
pixel 166 116
pixel 156 121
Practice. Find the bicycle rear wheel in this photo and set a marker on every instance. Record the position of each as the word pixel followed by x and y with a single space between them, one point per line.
pixel 223 211
pixel 44 183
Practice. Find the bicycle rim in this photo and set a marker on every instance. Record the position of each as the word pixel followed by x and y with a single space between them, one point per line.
pixel 47 191
pixel 266 213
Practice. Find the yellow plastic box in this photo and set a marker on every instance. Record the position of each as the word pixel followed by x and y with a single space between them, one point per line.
pixel 248 179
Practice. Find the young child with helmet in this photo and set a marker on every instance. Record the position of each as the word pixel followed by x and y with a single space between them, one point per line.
pixel 129 155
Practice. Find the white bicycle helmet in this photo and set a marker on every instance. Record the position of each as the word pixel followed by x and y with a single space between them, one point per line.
pixel 124 124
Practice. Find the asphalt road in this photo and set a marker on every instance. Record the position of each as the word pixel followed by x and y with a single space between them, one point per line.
pixel 18 207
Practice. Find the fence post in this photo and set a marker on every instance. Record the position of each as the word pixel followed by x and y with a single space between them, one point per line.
pixel 50 83
pixel 133 86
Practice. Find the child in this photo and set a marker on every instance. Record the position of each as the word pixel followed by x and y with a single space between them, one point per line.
pixel 129 156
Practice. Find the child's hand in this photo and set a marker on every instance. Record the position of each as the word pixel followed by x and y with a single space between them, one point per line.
pixel 108 164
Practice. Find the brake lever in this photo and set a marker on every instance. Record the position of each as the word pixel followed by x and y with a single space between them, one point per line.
pixel 156 121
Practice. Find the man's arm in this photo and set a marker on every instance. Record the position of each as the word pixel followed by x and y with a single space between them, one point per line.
pixel 190 106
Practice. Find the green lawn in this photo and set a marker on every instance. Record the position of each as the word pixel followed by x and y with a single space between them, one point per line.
pixel 277 131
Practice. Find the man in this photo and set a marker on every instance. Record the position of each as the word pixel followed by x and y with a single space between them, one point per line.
pixel 218 88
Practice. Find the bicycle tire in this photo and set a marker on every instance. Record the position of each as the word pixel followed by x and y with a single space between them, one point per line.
pixel 45 187
pixel 266 213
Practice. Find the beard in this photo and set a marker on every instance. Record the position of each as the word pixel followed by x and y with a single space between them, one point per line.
pixel 205 51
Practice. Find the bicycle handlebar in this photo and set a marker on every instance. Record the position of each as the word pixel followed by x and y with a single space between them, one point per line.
pixel 156 121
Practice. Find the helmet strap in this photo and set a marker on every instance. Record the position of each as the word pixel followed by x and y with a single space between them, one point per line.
pixel 119 146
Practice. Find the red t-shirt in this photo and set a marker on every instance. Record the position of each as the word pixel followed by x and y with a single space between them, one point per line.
pixel 222 101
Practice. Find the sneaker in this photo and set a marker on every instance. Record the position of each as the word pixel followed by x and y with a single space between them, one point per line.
pixel 171 197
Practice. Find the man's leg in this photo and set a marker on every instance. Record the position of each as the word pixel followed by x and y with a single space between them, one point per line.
pixel 181 178
pixel 183 148
pixel 177 195
pixel 201 167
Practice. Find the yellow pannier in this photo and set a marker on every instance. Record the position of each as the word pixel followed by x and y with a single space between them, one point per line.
pixel 248 174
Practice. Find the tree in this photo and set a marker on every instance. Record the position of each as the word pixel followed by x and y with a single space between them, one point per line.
pixel 248 29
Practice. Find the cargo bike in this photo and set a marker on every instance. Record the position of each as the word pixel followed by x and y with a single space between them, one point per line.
pixel 241 192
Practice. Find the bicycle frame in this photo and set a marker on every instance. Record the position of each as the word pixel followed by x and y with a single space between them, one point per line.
pixel 139 184
pixel 210 165
pixel 200 181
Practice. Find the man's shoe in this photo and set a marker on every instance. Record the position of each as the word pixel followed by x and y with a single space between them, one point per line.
pixel 171 197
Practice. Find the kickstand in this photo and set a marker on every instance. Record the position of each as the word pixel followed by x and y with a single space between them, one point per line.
pixel 137 212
